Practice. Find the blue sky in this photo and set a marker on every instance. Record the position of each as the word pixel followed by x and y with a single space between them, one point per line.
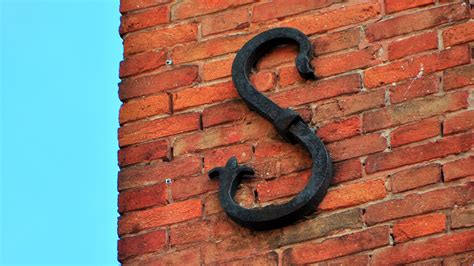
pixel 58 114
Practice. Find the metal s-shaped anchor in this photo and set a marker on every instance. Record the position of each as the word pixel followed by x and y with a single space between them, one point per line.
pixel 288 124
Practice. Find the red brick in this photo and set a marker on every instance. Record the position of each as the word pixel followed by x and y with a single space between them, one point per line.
pixel 336 41
pixel 412 45
pixel 223 113
pixel 144 107
pixel 424 129
pixel 318 91
pixel 461 33
pixel 415 154
pixel 458 122
pixel 135 199
pixel 458 169
pixel 413 110
pixel 416 21
pixel 283 186
pixel 353 194
pixel 415 204
pixel 318 23
pixel 159 38
pixel 266 259
pixel 194 8
pixel 336 247
pixel 416 177
pixel 170 214
pixel 190 232
pixel 336 64
pixel 142 62
pixel 289 76
pixel 282 54
pixel 178 77
pixel 409 68
pixel 459 77
pixel 392 6
pixel 144 19
pixel 414 88
pixel 464 259
pixel 149 130
pixel 157 172
pixel 214 137
pixel 462 217
pixel 141 244
pixel 279 8
pixel 216 69
pixel 180 189
pixel 129 5
pixel 144 152
pixel 218 157
pixel 191 97
pixel 272 149
pixel 191 256
pixel 340 129
pixel 202 50
pixel 234 19
pixel 360 259
pixel 356 146
pixel 347 170
pixel 348 105
pixel 420 250
pixel 414 227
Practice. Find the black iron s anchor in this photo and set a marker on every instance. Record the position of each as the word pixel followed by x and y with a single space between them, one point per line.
pixel 289 125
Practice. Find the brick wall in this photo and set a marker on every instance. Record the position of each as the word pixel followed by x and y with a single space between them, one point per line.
pixel 394 104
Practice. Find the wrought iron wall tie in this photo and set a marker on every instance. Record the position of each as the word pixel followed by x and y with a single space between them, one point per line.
pixel 289 125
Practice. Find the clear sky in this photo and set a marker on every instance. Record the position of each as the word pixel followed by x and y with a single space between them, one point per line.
pixel 58 126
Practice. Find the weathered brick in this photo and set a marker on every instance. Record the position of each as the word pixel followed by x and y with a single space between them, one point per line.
pixel 416 177
pixel 157 172
pixel 216 69
pixel 144 107
pixel 144 19
pixel 159 216
pixel 340 129
pixel 318 91
pixel 336 41
pixel 218 157
pixel 414 88
pixel 461 33
pixel 424 129
pixel 191 256
pixel 458 122
pixel 129 5
pixel 359 259
pixel 462 217
pixel 392 6
pixel 194 8
pixel 420 250
pixel 171 79
pixel 348 105
pixel 356 146
pixel 190 97
pixel 416 21
pixel 283 186
pixel 318 23
pixel 279 8
pixel 272 149
pixel 424 152
pixel 415 204
pixel 336 247
pixel 353 194
pixel 412 45
pixel 412 67
pixel 340 63
pixel 458 169
pixel 413 110
pixel 266 259
pixel 285 53
pixel 347 170
pixel 464 259
pixel 180 189
pixel 149 130
pixel 144 152
pixel 223 113
pixel 234 19
pixel 141 244
pixel 159 38
pixel 135 199
pixel 414 227
pixel 459 77
pixel 142 62
pixel 202 50
pixel 191 232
